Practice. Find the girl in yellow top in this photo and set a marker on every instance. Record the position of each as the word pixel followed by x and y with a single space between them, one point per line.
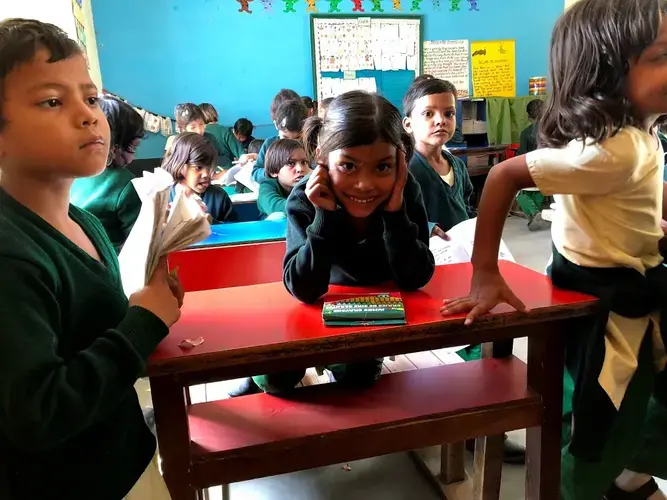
pixel 603 161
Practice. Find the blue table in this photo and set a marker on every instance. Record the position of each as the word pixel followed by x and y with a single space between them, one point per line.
pixel 245 232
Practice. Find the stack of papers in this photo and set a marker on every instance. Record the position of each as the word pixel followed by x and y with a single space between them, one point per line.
pixel 459 247
pixel 161 228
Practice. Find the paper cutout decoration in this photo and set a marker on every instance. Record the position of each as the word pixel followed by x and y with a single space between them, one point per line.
pixel 267 4
pixel 415 5
pixel 397 5
pixel 357 6
pixel 311 6
pixel 377 6
pixel 289 6
pixel 436 4
pixel 333 6
pixel 165 126
pixel 455 5
pixel 473 5
pixel 245 6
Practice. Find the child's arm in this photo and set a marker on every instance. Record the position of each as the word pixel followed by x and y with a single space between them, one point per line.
pixel 270 199
pixel 406 233
pixel 258 169
pixel 310 232
pixel 234 146
pixel 54 387
pixel 128 208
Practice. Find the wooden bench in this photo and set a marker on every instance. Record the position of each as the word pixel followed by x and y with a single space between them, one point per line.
pixel 232 439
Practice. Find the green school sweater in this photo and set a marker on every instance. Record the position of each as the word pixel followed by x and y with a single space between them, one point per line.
pixel 258 172
pixel 228 146
pixel 111 198
pixel 272 197
pixel 70 422
pixel 445 205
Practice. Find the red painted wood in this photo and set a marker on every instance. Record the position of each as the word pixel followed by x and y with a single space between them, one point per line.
pixel 229 266
pixel 261 419
pixel 264 315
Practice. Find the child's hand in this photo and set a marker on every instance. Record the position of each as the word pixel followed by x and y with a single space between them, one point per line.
pixel 487 290
pixel 319 191
pixel 246 158
pixel 163 295
pixel 395 202
pixel 437 231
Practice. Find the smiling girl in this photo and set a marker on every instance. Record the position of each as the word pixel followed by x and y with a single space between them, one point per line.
pixel 191 162
pixel 358 219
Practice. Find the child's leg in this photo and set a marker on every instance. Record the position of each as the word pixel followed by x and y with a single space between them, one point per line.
pixel 651 457
pixel 470 353
pixel 279 382
pixel 359 374
pixel 527 202
pixel 582 480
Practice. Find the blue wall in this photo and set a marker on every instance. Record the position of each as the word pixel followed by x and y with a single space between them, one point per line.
pixel 157 53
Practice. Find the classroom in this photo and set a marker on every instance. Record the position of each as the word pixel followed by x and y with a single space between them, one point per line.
pixel 317 185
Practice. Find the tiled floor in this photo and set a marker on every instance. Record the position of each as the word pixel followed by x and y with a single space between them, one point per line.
pixel 392 477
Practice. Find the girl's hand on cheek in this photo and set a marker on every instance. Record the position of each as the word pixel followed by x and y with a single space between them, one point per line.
pixel 395 202
pixel 319 191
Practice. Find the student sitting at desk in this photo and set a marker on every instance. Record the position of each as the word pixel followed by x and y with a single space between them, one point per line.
pixel 191 162
pixel 357 220
pixel 110 196
pixel 242 130
pixel 223 138
pixel 286 164
pixel 189 118
pixel 430 117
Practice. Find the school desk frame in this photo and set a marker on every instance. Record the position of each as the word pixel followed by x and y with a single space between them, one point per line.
pixel 397 99
pixel 290 335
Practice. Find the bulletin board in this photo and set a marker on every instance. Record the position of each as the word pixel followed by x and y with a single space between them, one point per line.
pixel 380 54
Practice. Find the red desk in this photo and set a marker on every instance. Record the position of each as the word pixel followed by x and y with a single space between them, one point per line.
pixel 262 329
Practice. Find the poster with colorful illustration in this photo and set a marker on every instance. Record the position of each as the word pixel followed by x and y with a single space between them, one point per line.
pixel 493 68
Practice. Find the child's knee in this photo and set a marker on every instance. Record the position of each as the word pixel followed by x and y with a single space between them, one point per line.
pixel 357 375
pixel 279 382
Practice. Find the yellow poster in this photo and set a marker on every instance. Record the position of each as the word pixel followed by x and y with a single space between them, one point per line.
pixel 493 68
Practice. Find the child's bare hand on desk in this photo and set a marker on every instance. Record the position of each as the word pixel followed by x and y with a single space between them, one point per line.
pixel 243 159
pixel 162 295
pixel 395 202
pixel 437 231
pixel 319 191
pixel 487 290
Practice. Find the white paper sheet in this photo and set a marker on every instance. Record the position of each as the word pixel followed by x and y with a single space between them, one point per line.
pixel 244 176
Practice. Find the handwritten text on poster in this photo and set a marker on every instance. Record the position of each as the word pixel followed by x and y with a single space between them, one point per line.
pixel 494 68
pixel 448 60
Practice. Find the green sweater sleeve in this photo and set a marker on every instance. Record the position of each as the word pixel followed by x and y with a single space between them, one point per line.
pixel 127 208
pixel 270 198
pixel 258 169
pixel 235 147
pixel 47 398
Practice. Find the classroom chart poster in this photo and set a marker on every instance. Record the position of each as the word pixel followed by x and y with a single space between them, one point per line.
pixel 494 68
pixel 449 60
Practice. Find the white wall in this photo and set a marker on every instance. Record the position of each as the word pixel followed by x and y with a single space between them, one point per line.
pixel 58 12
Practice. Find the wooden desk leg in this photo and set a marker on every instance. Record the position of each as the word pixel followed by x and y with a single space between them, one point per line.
pixel 171 418
pixel 546 353
pixel 488 467
pixel 452 462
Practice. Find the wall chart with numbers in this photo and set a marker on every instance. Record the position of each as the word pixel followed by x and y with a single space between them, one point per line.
pixel 375 53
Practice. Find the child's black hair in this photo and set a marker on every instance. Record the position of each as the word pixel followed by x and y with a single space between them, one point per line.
pixel 21 39
pixel 187 113
pixel 421 78
pixel 278 155
pixel 356 118
pixel 325 103
pixel 534 109
pixel 291 115
pixel 209 112
pixel 308 102
pixel 189 148
pixel 424 87
pixel 125 123
pixel 243 127
pixel 281 97
pixel 591 47
pixel 255 146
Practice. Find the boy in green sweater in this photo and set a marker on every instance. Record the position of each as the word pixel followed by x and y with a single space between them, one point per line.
pixel 72 346
pixel 286 164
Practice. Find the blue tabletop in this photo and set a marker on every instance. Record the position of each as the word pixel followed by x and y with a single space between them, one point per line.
pixel 245 232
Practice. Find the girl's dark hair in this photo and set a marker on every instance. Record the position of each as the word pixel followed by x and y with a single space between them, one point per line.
pixel 282 96
pixel 308 102
pixel 187 113
pixel 278 155
pixel 125 123
pixel 189 148
pixel 535 108
pixel 421 78
pixel 209 112
pixel 353 119
pixel 291 115
pixel 424 87
pixel 325 103
pixel 255 145
pixel 243 127
pixel 591 47
pixel 21 39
